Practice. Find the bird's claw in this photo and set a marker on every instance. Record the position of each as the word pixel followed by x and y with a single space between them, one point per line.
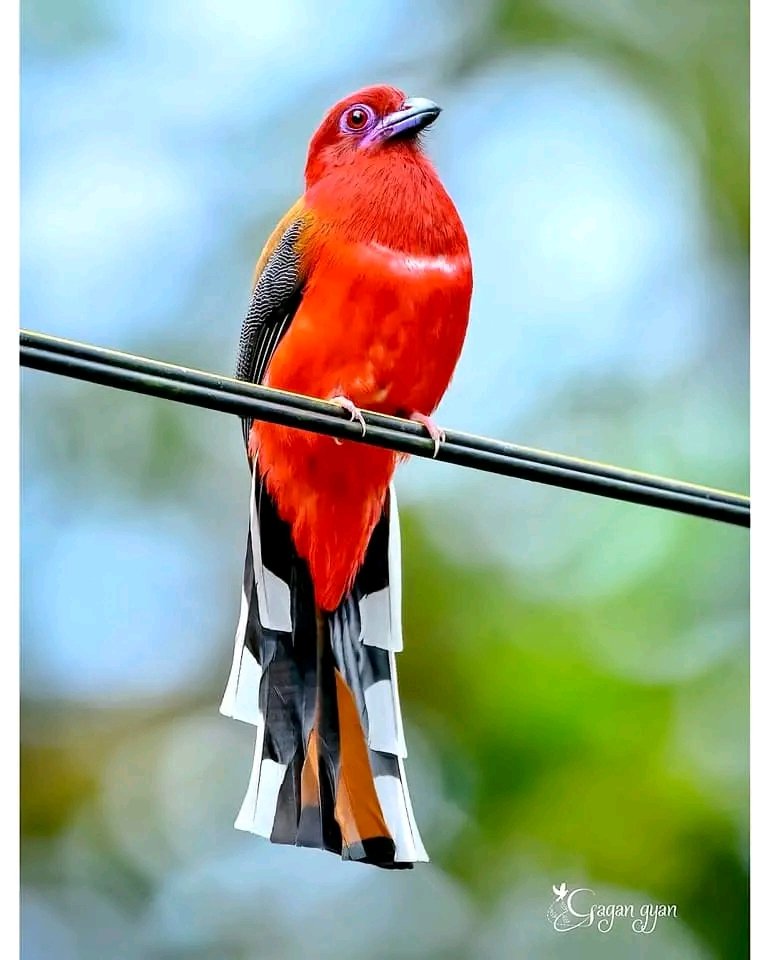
pixel 354 414
pixel 436 432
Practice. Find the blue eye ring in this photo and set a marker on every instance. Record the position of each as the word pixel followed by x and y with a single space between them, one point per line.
pixel 357 119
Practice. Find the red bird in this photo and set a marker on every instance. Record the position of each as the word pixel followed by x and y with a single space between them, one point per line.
pixel 361 296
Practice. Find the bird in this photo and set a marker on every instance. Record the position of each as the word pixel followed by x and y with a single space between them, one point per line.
pixel 361 296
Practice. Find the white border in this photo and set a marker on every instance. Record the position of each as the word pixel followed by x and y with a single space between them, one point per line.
pixel 9 383
pixel 759 399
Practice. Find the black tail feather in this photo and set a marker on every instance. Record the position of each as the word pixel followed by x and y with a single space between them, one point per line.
pixel 322 777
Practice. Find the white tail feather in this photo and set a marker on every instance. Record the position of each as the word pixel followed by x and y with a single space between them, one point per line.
pixel 273 593
pixel 257 813
pixel 396 807
pixel 381 612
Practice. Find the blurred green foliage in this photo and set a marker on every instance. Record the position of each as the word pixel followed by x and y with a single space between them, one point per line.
pixel 690 56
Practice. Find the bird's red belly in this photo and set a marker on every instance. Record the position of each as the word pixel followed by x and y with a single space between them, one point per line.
pixel 384 330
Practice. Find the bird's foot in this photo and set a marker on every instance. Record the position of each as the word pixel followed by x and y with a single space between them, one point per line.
pixel 354 414
pixel 436 433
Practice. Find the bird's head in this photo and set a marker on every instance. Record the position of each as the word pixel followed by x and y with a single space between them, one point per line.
pixel 373 120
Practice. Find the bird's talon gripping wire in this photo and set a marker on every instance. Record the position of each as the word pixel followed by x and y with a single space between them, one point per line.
pixel 354 415
pixel 436 432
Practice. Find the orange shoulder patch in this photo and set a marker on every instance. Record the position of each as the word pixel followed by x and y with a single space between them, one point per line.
pixel 297 211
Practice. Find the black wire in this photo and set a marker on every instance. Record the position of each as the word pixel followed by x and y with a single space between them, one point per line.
pixel 154 378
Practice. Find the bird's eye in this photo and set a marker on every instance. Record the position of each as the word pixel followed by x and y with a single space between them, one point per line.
pixel 356 119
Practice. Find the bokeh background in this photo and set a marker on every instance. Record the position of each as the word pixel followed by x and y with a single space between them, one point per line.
pixel 575 674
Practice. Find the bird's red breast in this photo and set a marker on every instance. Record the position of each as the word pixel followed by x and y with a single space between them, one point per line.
pixel 382 319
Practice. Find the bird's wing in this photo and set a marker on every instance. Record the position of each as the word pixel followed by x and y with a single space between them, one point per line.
pixel 277 288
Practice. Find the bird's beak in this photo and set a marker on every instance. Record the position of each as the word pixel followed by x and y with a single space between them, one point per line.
pixel 414 115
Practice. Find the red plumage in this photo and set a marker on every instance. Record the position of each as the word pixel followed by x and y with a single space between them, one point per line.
pixel 360 296
pixel 387 282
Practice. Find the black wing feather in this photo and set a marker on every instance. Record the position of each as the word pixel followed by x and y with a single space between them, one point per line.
pixel 276 296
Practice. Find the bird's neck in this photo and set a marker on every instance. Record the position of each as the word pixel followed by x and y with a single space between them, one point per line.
pixel 394 201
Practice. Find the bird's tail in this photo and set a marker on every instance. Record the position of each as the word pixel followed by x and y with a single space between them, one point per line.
pixel 322 690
